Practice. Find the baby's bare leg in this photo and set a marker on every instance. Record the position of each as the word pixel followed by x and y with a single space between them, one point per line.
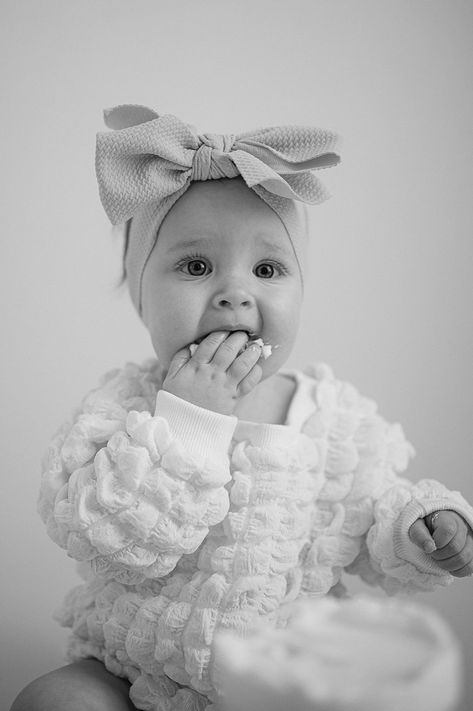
pixel 81 686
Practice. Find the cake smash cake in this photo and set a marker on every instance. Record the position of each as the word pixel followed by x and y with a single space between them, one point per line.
pixel 359 654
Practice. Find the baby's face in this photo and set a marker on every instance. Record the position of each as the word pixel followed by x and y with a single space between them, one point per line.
pixel 222 261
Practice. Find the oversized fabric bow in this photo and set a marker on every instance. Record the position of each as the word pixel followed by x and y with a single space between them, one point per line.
pixel 148 157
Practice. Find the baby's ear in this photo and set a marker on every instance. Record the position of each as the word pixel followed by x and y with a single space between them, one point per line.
pixel 127 115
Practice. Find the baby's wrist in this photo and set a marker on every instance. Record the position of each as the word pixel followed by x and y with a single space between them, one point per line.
pixel 204 433
pixel 203 400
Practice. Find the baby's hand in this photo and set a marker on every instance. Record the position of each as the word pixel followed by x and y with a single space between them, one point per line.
pixel 217 374
pixel 448 539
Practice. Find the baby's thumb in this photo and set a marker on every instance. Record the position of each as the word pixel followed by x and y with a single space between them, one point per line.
pixel 420 535
pixel 180 359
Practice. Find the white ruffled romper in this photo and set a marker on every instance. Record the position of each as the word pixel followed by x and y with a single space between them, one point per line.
pixel 187 522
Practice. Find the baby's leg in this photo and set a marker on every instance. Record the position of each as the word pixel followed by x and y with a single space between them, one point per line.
pixel 81 686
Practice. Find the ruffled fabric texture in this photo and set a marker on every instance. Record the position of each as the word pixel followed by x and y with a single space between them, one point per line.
pixel 364 511
pixel 175 547
pixel 121 492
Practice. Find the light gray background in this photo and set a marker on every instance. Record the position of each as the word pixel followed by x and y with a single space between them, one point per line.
pixel 389 304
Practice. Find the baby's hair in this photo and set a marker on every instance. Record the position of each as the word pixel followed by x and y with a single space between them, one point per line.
pixel 126 240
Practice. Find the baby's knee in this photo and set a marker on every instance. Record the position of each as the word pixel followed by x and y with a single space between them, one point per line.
pixel 83 686
pixel 53 691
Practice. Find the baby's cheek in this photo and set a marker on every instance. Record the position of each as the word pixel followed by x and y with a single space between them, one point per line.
pixel 273 363
pixel 163 349
pixel 285 333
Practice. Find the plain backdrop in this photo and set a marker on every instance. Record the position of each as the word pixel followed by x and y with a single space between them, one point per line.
pixel 390 296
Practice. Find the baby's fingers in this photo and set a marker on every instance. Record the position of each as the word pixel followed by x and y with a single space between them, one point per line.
pixel 454 542
pixel 448 531
pixel 209 346
pixel 251 380
pixel 460 564
pixel 244 363
pixel 420 535
pixel 180 359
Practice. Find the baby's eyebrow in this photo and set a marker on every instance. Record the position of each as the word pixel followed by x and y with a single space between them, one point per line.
pixel 275 247
pixel 190 244
pixel 194 243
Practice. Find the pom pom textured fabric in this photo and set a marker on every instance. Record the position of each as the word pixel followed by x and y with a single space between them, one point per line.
pixel 148 161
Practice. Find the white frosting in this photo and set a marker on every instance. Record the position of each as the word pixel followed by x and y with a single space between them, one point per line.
pixel 352 655
pixel 266 349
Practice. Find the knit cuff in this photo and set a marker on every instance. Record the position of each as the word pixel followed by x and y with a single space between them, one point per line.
pixel 206 435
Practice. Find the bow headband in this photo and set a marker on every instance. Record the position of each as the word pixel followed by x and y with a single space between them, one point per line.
pixel 148 161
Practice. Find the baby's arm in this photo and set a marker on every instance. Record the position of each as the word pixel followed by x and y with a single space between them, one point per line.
pixel 399 551
pixel 130 492
pixel 369 506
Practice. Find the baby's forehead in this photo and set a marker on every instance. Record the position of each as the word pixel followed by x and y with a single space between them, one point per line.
pixel 218 208
pixel 212 196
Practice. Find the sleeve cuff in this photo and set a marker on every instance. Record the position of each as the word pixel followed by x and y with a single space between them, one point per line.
pixel 206 435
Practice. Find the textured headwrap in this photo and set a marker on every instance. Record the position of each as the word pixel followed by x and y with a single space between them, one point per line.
pixel 148 161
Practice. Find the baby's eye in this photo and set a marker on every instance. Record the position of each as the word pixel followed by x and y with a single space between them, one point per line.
pixel 194 266
pixel 266 270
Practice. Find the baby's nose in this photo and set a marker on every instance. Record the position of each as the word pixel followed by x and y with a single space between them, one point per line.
pixel 233 296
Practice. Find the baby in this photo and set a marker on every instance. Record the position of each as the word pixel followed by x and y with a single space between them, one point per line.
pixel 207 488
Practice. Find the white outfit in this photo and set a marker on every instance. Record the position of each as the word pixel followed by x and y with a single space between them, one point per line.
pixel 188 522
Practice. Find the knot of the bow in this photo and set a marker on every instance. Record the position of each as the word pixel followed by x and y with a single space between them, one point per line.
pixel 212 160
